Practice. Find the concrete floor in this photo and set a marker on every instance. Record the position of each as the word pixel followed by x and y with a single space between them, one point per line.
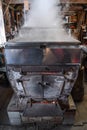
pixel 80 118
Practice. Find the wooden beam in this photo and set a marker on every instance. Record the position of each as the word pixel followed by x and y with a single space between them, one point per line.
pixel 74 1
pixel 17 1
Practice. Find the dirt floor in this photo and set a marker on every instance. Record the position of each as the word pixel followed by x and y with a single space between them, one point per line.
pixel 81 112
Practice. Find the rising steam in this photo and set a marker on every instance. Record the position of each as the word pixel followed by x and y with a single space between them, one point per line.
pixel 44 13
pixel 44 23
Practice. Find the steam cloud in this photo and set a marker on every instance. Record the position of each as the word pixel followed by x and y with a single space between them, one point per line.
pixel 44 23
pixel 44 13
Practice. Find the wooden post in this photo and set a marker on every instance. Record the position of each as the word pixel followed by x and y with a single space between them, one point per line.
pixel 2 30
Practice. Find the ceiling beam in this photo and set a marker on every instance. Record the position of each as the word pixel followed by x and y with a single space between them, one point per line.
pixel 74 1
pixel 17 1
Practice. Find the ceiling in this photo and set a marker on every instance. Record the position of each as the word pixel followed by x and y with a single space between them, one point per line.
pixel 63 1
